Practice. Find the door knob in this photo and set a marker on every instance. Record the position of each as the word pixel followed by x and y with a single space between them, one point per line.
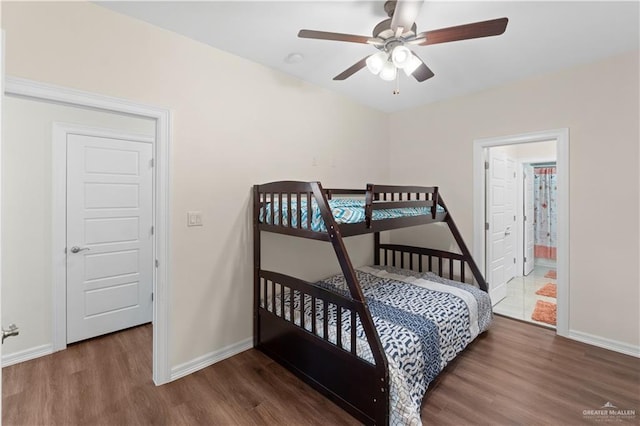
pixel 76 249
pixel 507 231
pixel 12 331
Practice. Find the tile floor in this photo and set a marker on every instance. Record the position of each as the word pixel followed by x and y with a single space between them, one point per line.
pixel 521 295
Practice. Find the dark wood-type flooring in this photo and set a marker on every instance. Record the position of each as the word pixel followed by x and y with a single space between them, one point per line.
pixel 516 374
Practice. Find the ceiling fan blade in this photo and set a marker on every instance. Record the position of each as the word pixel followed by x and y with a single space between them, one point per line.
pixel 464 32
pixel 323 35
pixel 405 14
pixel 352 69
pixel 423 72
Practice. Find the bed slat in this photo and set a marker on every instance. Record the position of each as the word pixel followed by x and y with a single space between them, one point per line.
pixel 313 315
pixel 325 320
pixel 273 209
pixel 309 210
pixel 353 332
pixel 299 211
pixel 303 299
pixel 338 326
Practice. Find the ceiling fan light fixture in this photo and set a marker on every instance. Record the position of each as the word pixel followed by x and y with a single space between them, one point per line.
pixel 376 62
pixel 401 56
pixel 388 72
pixel 412 64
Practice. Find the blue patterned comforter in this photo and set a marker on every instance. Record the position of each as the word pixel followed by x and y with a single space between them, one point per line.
pixel 344 210
pixel 423 322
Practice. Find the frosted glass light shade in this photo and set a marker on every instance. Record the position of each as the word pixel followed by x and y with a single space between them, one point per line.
pixel 413 64
pixel 401 56
pixel 376 61
pixel 388 71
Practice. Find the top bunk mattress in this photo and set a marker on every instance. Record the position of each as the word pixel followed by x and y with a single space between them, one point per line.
pixel 344 210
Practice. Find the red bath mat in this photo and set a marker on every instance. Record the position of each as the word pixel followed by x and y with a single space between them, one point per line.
pixel 545 312
pixel 549 290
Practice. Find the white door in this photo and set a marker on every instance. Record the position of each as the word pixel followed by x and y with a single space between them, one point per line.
pixel 510 219
pixel 495 233
pixel 528 219
pixel 109 235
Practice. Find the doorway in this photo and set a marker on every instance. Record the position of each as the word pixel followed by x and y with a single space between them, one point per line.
pixel 493 227
pixel 43 94
pixel 531 292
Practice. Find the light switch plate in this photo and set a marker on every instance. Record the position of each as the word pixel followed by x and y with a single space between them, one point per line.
pixel 194 218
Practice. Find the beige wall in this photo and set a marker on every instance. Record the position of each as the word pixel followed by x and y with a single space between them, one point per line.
pixel 599 105
pixel 27 166
pixel 235 123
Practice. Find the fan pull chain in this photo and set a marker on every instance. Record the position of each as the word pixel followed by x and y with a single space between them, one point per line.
pixel 396 91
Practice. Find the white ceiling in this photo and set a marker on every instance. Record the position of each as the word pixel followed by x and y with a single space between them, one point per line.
pixel 541 37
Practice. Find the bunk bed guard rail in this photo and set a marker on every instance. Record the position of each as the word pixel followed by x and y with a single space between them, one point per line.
pixel 292 208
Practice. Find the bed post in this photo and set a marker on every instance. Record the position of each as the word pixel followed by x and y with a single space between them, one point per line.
pixel 463 247
pixel 256 266
pixel 376 248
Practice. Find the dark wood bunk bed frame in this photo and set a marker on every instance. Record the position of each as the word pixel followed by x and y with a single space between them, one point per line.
pixel 358 386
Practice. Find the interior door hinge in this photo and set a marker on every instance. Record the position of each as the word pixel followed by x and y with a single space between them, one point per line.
pixel 514 217
pixel 157 263
pixel 514 260
pixel 152 162
pixel 486 165
pixel 153 230
pixel 525 217
pixel 152 296
pixel 525 260
pixel 486 226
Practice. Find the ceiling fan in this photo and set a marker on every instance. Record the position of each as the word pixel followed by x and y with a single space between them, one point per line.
pixel 392 36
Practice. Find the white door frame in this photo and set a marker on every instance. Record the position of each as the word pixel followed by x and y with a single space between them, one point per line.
pixel 561 136
pixel 60 132
pixel 2 84
pixel 162 196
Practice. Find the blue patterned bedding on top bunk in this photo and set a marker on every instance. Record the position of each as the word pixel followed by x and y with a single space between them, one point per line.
pixel 344 210
pixel 423 322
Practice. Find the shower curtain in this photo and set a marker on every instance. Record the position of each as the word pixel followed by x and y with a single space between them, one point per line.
pixel 545 194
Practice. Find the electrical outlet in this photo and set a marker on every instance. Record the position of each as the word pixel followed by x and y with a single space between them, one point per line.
pixel 194 218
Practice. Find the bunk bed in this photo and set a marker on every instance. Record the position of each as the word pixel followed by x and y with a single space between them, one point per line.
pixel 371 339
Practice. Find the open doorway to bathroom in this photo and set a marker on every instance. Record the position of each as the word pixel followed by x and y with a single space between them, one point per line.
pixel 527 247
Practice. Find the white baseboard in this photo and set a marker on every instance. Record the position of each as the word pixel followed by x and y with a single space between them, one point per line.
pixel 26 355
pixel 209 359
pixel 601 342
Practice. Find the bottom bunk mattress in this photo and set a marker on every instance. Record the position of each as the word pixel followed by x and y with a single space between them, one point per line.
pixel 423 322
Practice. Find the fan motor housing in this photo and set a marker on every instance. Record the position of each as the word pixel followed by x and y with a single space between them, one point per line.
pixel 383 30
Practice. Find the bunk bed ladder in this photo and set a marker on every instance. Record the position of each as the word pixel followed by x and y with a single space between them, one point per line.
pixel 382 397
